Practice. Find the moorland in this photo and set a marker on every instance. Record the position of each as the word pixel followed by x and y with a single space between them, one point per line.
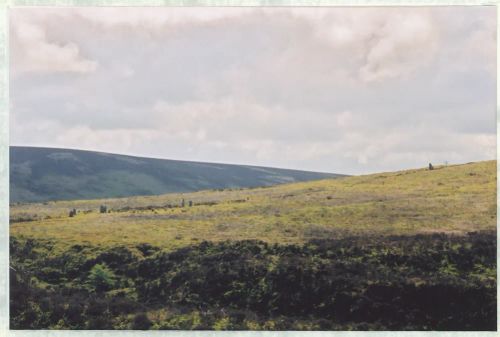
pixel 406 250
pixel 40 174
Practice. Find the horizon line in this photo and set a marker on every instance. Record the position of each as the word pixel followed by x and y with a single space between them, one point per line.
pixel 178 160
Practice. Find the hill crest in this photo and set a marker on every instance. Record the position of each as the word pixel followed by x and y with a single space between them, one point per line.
pixel 40 174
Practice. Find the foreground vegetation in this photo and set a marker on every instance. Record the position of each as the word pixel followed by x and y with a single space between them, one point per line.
pixel 409 250
pixel 422 282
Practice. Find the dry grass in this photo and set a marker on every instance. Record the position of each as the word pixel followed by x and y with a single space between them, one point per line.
pixel 456 198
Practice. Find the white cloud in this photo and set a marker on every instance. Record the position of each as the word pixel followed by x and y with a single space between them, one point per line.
pixel 33 52
pixel 333 89
pixel 387 42
pixel 399 45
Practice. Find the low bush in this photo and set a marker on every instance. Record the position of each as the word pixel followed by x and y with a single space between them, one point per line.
pixel 421 282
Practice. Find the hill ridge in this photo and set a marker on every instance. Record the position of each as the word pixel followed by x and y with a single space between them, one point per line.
pixel 40 174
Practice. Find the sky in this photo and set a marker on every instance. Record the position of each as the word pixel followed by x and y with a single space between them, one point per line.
pixel 332 89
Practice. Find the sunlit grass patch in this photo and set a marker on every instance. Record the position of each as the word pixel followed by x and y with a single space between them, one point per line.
pixel 453 199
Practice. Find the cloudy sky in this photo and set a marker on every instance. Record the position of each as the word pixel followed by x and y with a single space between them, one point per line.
pixel 347 90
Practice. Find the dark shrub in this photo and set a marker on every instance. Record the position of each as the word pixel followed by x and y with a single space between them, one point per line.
pixel 141 322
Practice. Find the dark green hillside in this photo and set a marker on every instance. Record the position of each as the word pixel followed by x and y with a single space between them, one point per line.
pixel 42 174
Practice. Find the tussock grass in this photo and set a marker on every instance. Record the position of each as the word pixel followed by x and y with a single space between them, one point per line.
pixel 455 199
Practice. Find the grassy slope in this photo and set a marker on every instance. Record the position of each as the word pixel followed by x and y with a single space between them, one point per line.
pixel 42 174
pixel 457 198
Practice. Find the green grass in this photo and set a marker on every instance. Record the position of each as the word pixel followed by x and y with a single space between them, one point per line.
pixel 454 199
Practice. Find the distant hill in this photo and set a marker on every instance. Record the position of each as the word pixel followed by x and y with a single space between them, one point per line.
pixel 43 174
